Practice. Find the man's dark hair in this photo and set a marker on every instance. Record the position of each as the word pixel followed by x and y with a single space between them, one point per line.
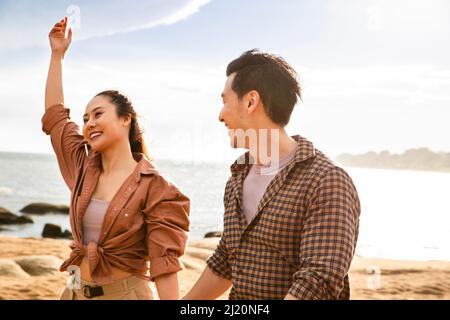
pixel 273 78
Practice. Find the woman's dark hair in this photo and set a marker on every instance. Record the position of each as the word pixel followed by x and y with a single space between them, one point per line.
pixel 273 78
pixel 124 108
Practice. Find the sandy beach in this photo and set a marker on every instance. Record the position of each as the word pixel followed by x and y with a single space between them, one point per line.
pixel 29 270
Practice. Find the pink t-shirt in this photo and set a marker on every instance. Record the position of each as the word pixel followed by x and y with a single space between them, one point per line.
pixel 93 220
pixel 256 183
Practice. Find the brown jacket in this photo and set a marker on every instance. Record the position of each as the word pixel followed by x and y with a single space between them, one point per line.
pixel 147 220
pixel 303 237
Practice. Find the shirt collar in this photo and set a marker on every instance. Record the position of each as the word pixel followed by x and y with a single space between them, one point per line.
pixel 305 150
pixel 144 166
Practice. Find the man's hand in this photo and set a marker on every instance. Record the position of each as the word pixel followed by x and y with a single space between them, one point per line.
pixel 208 287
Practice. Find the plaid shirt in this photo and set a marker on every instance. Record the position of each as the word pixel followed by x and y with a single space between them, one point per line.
pixel 303 237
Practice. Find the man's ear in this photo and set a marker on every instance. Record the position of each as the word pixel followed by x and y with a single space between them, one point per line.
pixel 253 100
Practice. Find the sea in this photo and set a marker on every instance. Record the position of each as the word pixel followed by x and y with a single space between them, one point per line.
pixel 405 215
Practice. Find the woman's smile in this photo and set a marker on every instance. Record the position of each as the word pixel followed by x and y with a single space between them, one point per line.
pixel 95 135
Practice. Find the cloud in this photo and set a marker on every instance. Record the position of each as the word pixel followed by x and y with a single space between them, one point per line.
pixel 344 109
pixel 405 84
pixel 178 105
pixel 410 15
pixel 183 13
pixel 25 23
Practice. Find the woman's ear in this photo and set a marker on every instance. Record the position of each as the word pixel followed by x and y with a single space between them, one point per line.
pixel 127 120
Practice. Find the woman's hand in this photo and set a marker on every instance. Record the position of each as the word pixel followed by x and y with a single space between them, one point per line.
pixel 59 42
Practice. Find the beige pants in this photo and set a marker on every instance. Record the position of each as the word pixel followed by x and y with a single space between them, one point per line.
pixel 131 288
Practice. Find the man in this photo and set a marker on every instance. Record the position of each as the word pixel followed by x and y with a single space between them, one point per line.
pixel 291 215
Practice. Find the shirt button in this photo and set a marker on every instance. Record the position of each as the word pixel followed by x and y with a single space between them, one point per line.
pixel 126 214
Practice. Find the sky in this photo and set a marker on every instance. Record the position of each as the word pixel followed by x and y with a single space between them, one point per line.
pixel 375 74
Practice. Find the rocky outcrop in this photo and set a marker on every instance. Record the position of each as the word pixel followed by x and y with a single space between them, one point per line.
pixel 9 268
pixel 54 231
pixel 38 265
pixel 43 208
pixel 7 217
pixel 214 234
pixel 25 266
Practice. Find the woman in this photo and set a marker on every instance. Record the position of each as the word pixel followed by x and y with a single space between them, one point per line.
pixel 129 224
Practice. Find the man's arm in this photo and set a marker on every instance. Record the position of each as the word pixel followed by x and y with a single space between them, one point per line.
pixel 329 236
pixel 208 287
pixel 216 278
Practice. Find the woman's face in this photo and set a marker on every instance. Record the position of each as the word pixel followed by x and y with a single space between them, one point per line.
pixel 102 127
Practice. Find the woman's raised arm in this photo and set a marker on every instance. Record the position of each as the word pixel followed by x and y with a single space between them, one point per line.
pixel 59 43
pixel 68 143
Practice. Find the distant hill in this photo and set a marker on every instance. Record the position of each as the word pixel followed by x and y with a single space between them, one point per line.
pixel 413 159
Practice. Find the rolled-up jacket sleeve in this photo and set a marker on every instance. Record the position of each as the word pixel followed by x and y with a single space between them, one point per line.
pixel 328 238
pixel 66 140
pixel 167 221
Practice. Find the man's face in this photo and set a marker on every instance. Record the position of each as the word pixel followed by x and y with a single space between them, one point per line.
pixel 233 113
